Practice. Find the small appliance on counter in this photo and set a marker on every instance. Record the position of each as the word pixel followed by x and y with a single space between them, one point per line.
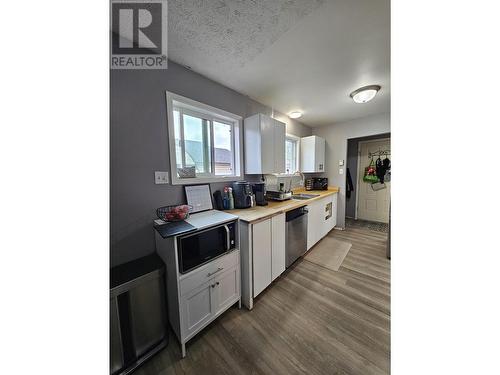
pixel 317 183
pixel 259 189
pixel 278 195
pixel 242 194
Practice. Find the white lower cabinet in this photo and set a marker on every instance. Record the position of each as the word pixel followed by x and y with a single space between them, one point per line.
pixel 314 223
pixel 198 297
pixel 204 302
pixel 226 289
pixel 278 255
pixel 262 256
pixel 321 219
pixel 197 308
pixel 268 252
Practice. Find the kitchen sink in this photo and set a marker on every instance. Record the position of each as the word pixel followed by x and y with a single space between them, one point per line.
pixel 304 196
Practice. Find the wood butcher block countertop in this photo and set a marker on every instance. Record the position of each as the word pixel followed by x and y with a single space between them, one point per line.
pixel 257 213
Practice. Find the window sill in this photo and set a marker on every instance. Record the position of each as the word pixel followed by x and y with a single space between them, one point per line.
pixel 204 180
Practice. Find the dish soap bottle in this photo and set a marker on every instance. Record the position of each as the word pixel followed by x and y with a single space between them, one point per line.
pixel 225 198
pixel 231 198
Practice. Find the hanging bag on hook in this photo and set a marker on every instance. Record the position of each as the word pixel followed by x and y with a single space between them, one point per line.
pixel 387 165
pixel 370 175
pixel 380 169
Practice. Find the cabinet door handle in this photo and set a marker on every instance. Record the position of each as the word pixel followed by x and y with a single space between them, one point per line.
pixel 213 273
pixel 228 238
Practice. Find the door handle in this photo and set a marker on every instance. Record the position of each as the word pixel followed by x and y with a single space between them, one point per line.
pixel 213 273
pixel 228 237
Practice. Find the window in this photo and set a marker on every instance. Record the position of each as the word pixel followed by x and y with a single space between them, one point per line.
pixel 205 138
pixel 291 154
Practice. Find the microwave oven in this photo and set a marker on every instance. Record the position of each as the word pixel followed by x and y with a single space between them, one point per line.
pixel 200 247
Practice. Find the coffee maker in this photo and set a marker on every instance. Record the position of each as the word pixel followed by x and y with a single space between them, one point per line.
pixel 242 194
pixel 259 189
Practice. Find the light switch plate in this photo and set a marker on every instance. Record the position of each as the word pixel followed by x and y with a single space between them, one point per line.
pixel 341 170
pixel 161 177
pixel 341 162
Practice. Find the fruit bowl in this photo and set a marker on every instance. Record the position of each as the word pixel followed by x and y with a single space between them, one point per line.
pixel 174 213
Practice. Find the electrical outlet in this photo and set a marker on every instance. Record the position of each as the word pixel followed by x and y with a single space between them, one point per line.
pixel 341 170
pixel 161 177
pixel 341 162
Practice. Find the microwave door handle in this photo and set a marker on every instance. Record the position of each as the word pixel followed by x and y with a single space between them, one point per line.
pixel 228 237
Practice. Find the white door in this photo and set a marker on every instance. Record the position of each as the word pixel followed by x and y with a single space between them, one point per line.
pixel 227 289
pixel 278 260
pixel 196 308
pixel 262 243
pixel 314 223
pixel 372 205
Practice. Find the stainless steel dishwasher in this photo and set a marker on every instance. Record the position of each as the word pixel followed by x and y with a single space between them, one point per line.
pixel 296 234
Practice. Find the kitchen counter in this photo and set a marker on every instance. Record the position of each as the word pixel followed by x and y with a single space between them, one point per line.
pixel 257 213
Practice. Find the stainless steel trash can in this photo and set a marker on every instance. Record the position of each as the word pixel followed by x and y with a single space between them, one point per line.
pixel 137 313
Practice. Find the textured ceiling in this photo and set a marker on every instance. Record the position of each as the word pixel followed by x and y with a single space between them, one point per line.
pixel 232 32
pixel 288 54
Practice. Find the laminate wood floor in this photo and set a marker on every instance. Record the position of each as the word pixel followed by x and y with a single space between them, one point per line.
pixel 311 320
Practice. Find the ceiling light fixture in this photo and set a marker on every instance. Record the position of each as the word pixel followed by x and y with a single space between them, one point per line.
pixel 295 114
pixel 365 94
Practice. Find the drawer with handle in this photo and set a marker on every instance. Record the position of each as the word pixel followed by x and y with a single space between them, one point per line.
pixel 201 275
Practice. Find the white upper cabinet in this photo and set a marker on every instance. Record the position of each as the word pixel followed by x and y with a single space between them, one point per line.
pixel 312 154
pixel 264 145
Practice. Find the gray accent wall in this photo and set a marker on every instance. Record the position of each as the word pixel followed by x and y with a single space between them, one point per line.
pixel 139 146
pixel 336 137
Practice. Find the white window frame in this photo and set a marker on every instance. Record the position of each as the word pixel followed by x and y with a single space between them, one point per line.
pixel 297 156
pixel 190 106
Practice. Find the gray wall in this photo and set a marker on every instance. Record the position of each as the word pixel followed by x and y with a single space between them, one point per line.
pixel 336 137
pixel 139 146
pixel 352 164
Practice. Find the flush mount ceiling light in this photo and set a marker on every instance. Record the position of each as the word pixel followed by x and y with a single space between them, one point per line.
pixel 365 94
pixel 295 114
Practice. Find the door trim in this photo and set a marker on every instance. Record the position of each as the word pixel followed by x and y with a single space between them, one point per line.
pixel 359 164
